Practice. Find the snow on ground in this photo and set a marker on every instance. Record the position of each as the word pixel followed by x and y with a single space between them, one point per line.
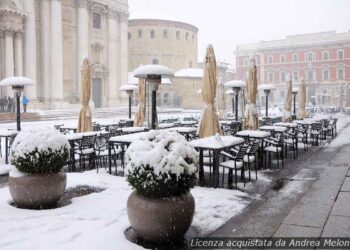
pixel 98 220
pixel 343 137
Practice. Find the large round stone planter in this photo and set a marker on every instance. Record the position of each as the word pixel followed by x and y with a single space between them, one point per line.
pixel 163 219
pixel 37 191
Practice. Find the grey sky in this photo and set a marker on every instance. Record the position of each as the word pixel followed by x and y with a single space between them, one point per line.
pixel 226 23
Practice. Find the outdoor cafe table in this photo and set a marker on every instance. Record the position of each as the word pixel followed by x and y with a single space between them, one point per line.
pixel 7 134
pixel 286 124
pixel 131 130
pixel 69 127
pixel 123 141
pixel 273 128
pixel 188 123
pixel 185 131
pixel 215 145
pixel 72 138
pixel 257 135
pixel 165 125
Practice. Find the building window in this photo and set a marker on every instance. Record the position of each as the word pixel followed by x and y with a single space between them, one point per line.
pixel 96 20
pixel 152 34
pixel 283 76
pixel 295 58
pixel 155 61
pixel 296 76
pixel 325 55
pixel 165 34
pixel 186 36
pixel 190 64
pixel 310 75
pixel 283 58
pixel 340 54
pixel 269 59
pixel 245 62
pixel 178 35
pixel 340 74
pixel 140 33
pixel 325 74
pixel 192 38
pixel 270 76
pixel 309 56
pixel 129 35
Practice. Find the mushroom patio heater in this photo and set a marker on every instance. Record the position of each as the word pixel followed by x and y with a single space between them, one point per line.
pixel 295 91
pixel 17 83
pixel 236 86
pixel 230 92
pixel 129 88
pixel 267 89
pixel 153 74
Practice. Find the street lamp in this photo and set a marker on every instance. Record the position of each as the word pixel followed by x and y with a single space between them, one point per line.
pixel 294 93
pixel 153 74
pixel 17 83
pixel 267 89
pixel 129 90
pixel 236 86
pixel 230 92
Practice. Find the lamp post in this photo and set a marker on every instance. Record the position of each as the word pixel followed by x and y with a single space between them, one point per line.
pixel 294 93
pixel 230 92
pixel 153 74
pixel 129 90
pixel 236 86
pixel 17 83
pixel 267 90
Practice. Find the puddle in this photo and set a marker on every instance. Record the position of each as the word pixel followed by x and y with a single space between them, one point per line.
pixel 278 184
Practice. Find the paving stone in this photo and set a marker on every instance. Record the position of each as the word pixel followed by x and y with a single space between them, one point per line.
pixel 333 176
pixel 346 185
pixel 321 194
pixel 348 174
pixel 286 230
pixel 337 226
pixel 342 205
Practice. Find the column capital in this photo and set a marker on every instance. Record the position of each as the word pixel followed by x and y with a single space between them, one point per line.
pixel 112 13
pixel 124 16
pixel 18 34
pixel 83 4
pixel 9 32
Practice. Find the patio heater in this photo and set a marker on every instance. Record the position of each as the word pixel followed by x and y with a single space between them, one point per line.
pixel 230 92
pixel 236 86
pixel 153 74
pixel 17 83
pixel 129 89
pixel 267 88
pixel 294 93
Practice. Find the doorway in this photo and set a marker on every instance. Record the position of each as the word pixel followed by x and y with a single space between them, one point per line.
pixel 97 92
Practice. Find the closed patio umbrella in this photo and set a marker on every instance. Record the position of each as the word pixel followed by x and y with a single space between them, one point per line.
pixel 302 100
pixel 287 117
pixel 140 114
pixel 251 115
pixel 85 116
pixel 209 123
pixel 347 95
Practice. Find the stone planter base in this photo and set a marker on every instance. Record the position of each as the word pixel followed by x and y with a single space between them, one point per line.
pixel 37 191
pixel 160 220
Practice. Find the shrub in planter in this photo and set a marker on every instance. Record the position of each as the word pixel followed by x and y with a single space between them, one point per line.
pixel 39 156
pixel 161 168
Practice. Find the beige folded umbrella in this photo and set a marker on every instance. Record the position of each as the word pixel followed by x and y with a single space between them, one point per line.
pixel 251 115
pixel 347 95
pixel 85 116
pixel 140 114
pixel 209 123
pixel 287 117
pixel 302 100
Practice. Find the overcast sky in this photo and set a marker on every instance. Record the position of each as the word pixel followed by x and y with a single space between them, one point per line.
pixel 226 23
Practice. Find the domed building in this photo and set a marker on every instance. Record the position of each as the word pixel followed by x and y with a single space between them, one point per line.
pixel 155 38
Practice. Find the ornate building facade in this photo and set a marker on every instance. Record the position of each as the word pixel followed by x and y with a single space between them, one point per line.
pixel 46 40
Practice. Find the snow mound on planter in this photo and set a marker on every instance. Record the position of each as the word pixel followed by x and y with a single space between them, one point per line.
pixel 40 140
pixel 165 151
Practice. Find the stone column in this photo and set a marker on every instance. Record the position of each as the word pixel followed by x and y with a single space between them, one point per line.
pixel 82 37
pixel 9 59
pixel 56 51
pixel 19 54
pixel 2 61
pixel 123 48
pixel 113 80
pixel 45 69
pixel 30 48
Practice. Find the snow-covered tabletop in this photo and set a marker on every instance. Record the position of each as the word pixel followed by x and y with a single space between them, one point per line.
pixel 286 124
pixel 275 128
pixel 183 129
pixel 165 125
pixel 78 136
pixel 189 122
pixel 214 142
pixel 133 129
pixel 253 134
pixel 129 138
pixel 305 122
pixel 225 122
pixel 6 133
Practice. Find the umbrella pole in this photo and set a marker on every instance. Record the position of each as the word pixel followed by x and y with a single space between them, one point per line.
pixel 154 103
pixel 236 106
pixel 129 106
pixel 267 106
pixel 233 105
pixel 18 111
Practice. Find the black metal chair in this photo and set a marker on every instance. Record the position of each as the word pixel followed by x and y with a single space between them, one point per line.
pixel 275 145
pixel 251 157
pixel 85 148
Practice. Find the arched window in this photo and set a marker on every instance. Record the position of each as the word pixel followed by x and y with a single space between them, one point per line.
pixel 96 20
pixel 178 35
pixel 165 34
pixel 140 33
pixel 129 35
pixel 152 34
pixel 155 61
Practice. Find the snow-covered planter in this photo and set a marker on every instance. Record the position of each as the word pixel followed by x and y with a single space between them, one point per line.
pixel 162 168
pixel 39 156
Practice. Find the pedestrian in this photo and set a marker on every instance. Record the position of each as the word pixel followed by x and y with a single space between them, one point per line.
pixel 25 102
pixel 9 104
